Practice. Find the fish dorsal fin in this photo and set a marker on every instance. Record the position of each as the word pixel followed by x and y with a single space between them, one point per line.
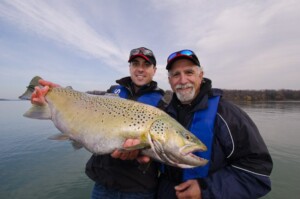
pixel 69 87
pixel 112 95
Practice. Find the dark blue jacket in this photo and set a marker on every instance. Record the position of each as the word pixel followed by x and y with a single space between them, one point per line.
pixel 240 163
pixel 127 175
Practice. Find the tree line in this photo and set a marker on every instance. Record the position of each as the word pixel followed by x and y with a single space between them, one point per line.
pixel 262 95
pixel 254 95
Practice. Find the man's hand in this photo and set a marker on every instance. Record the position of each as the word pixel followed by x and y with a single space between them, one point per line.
pixel 47 83
pixel 130 155
pixel 38 96
pixel 124 155
pixel 188 190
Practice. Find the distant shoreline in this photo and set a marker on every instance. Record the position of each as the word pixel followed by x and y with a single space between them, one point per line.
pixel 2 99
pixel 255 95
pixel 231 94
pixel 262 95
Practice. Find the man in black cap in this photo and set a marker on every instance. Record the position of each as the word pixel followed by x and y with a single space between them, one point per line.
pixel 239 162
pixel 124 177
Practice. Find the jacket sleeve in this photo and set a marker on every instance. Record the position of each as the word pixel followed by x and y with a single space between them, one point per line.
pixel 240 163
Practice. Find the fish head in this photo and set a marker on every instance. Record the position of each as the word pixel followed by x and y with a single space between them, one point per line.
pixel 175 145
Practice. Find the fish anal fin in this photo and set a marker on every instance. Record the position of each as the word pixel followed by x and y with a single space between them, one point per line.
pixel 59 136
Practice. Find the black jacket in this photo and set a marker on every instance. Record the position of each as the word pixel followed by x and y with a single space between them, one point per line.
pixel 240 162
pixel 125 175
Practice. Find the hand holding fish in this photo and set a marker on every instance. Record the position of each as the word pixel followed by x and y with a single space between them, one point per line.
pixel 48 83
pixel 38 96
pixel 131 155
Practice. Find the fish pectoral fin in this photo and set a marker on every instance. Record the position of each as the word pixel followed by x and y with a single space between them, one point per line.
pixel 59 136
pixel 136 147
pixel 38 112
pixel 63 137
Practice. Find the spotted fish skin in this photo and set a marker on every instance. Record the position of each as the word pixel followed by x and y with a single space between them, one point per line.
pixel 101 124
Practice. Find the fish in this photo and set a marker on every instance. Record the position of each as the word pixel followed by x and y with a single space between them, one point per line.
pixel 101 124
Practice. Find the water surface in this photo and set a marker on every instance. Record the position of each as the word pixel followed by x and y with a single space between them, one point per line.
pixel 32 166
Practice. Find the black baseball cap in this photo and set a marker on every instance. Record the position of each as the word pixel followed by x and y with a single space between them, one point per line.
pixel 182 54
pixel 143 52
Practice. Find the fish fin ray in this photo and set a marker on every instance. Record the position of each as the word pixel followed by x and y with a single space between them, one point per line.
pixel 38 112
pixel 59 136
pixel 76 145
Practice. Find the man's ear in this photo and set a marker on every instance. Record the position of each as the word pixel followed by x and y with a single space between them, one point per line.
pixel 201 74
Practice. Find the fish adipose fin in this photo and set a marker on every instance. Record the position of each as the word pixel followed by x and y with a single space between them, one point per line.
pixel 38 112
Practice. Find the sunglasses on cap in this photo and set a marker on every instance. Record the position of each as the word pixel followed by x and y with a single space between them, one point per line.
pixel 181 53
pixel 143 51
pixel 184 54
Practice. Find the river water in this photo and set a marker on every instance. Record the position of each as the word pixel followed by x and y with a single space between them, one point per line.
pixel 32 166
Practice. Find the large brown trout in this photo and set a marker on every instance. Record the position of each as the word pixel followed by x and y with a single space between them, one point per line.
pixel 101 124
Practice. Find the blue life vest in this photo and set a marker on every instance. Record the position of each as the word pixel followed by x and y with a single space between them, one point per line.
pixel 151 98
pixel 203 127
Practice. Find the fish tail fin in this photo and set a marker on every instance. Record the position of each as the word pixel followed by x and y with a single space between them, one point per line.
pixel 38 112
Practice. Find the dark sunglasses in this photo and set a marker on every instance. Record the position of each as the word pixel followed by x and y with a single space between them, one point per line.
pixel 180 53
pixel 143 51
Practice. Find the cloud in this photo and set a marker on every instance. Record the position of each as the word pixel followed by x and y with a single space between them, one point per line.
pixel 63 24
pixel 241 44
pixel 237 40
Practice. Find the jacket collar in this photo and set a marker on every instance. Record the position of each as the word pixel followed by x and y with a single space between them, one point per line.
pixel 127 83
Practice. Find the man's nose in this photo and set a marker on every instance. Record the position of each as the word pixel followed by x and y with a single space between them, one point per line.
pixel 141 67
pixel 183 79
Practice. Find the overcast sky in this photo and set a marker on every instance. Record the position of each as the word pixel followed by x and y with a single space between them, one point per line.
pixel 85 43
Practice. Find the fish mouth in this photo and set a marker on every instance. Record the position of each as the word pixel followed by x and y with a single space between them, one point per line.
pixel 198 161
pixel 184 159
pixel 188 149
